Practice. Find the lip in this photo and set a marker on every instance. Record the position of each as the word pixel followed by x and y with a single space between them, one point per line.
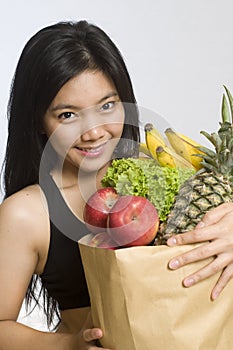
pixel 92 152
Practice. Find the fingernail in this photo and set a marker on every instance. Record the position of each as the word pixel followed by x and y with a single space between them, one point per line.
pixel 188 282
pixel 98 333
pixel 172 241
pixel 214 295
pixel 173 264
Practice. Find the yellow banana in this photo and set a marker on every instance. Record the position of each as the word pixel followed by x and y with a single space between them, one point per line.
pixel 185 147
pixel 187 139
pixel 154 139
pixel 192 149
pixel 169 158
pixel 144 149
pixel 177 144
pixel 164 158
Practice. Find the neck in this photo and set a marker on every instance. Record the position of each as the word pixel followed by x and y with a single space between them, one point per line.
pixel 88 182
pixel 77 186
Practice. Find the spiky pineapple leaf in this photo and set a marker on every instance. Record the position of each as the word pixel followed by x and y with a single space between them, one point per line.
pixel 226 111
pixel 216 140
pixel 209 138
pixel 208 167
pixel 209 160
pixel 230 99
pixel 230 145
pixel 207 151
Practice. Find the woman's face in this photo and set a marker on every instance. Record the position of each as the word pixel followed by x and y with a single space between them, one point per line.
pixel 85 121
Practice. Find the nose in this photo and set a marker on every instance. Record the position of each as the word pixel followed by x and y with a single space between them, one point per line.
pixel 93 134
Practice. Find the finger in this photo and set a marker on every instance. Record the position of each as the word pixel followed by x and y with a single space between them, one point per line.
pixel 201 252
pixel 208 270
pixel 225 277
pixel 214 215
pixel 206 228
pixel 92 334
pixel 195 236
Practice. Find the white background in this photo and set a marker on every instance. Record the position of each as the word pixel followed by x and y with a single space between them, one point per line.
pixel 179 52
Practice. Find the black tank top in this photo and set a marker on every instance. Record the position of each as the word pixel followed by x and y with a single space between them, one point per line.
pixel 63 275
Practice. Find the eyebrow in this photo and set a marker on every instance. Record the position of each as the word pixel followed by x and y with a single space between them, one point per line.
pixel 61 106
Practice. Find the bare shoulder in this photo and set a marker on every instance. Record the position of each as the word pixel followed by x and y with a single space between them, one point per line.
pixel 25 207
pixel 24 217
pixel 30 197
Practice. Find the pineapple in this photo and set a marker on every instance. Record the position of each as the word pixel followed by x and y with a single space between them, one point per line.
pixel 209 187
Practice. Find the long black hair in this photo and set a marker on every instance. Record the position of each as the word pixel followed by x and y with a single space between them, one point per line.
pixel 52 57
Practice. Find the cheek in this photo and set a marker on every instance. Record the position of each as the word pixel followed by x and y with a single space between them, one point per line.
pixel 118 126
pixel 62 138
pixel 118 129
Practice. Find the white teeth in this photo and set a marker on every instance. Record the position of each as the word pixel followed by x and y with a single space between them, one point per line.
pixel 90 150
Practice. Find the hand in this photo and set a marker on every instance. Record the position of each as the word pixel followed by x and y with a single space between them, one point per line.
pixel 216 229
pixel 88 337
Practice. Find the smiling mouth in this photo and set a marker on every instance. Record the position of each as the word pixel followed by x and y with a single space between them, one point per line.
pixel 92 150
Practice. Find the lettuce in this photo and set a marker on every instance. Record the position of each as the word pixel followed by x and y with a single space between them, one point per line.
pixel 144 177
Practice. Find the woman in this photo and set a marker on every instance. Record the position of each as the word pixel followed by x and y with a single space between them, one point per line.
pixel 66 119
pixel 71 110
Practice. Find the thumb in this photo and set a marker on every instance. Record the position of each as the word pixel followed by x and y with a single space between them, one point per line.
pixel 90 333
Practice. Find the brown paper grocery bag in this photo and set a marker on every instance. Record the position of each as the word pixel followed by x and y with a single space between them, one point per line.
pixel 141 305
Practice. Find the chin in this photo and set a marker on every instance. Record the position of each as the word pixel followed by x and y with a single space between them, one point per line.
pixel 91 164
pixel 92 167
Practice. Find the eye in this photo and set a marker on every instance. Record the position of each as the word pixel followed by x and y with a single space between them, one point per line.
pixel 107 106
pixel 66 115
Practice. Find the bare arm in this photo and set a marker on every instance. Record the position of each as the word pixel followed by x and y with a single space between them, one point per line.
pixel 23 245
pixel 15 336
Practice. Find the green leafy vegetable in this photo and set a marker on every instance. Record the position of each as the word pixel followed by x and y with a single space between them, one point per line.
pixel 144 177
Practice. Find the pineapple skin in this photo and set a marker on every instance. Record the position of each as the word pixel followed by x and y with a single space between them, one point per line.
pixel 199 194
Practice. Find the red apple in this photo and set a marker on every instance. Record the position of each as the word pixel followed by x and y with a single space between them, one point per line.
pixel 97 208
pixel 133 221
pixel 102 240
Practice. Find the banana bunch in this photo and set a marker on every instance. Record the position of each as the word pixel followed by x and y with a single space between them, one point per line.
pixel 185 147
pixel 178 151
